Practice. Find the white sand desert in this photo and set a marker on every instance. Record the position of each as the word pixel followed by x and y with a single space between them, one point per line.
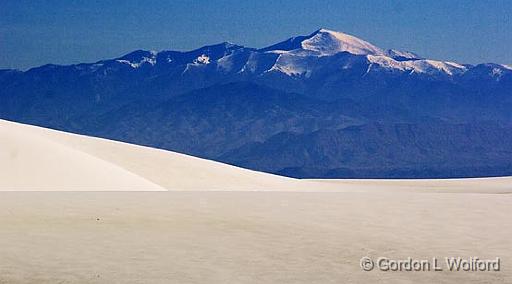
pixel 151 216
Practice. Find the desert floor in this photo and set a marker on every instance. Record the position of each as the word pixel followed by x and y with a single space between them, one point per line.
pixel 247 237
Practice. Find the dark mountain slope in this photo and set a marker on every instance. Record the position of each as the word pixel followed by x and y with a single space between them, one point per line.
pixel 375 150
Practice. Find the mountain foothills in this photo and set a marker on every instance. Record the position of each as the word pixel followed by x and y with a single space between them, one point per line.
pixel 325 105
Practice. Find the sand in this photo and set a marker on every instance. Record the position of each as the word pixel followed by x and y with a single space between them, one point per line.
pixel 246 237
pixel 222 224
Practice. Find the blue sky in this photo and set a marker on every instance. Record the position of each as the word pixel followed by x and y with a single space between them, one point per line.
pixel 33 33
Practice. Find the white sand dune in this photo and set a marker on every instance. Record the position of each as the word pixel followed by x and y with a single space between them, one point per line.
pixel 35 158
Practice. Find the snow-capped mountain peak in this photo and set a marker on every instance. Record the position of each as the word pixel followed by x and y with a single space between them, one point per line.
pixel 325 42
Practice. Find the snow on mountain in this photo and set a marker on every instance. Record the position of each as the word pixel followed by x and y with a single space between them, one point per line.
pixel 433 66
pixel 216 51
pixel 138 58
pixel 325 42
pixel 259 62
pixel 402 55
pixel 297 55
pixel 292 65
pixel 294 55
pixel 202 59
pixel 425 66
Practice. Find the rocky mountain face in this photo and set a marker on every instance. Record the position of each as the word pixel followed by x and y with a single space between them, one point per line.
pixel 323 105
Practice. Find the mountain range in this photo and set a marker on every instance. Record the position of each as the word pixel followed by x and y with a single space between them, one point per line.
pixel 324 105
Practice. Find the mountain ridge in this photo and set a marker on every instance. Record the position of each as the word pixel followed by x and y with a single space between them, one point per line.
pixel 362 47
